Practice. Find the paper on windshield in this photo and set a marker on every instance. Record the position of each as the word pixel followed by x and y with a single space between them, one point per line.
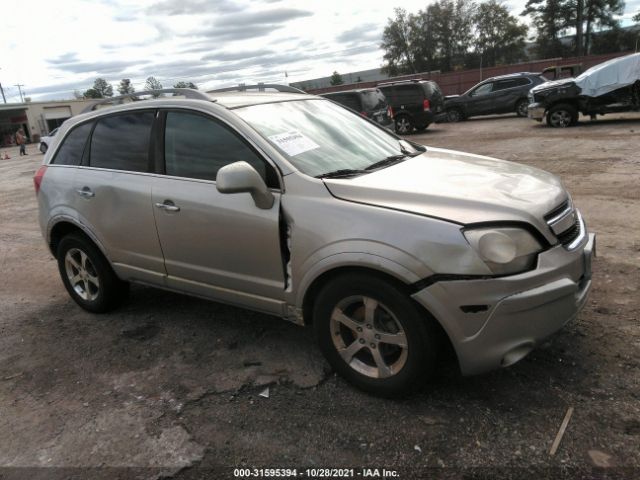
pixel 609 76
pixel 293 142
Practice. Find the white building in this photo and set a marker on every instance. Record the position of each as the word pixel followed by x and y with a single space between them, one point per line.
pixel 36 118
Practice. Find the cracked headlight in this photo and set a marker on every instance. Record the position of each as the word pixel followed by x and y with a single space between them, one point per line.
pixel 504 250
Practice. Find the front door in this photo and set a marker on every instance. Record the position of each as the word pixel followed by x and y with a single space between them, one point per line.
pixel 480 101
pixel 214 244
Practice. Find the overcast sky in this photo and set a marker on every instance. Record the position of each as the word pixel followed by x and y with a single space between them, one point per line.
pixel 54 48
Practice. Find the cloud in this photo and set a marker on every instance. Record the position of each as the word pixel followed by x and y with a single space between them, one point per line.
pixel 100 67
pixel 194 7
pixel 64 58
pixel 245 25
pixel 228 56
pixel 363 33
pixel 232 32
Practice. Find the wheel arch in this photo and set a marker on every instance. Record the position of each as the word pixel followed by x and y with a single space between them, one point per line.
pixel 61 227
pixel 325 277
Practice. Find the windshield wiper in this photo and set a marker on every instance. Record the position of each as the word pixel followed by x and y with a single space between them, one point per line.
pixel 390 160
pixel 342 173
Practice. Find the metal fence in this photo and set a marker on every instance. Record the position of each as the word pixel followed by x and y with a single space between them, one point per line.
pixel 458 82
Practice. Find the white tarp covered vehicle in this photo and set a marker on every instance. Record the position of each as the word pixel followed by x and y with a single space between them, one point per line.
pixel 609 76
pixel 612 86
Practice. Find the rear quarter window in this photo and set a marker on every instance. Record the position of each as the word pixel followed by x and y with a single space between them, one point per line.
pixel 347 99
pixel 72 148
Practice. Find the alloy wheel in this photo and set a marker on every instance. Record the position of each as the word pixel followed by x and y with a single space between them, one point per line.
pixel 368 337
pixel 561 118
pixel 523 109
pixel 403 125
pixel 453 115
pixel 82 274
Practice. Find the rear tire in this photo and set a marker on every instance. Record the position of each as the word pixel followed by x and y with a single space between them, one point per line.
pixel 373 335
pixel 522 108
pixel 43 147
pixel 88 276
pixel 403 125
pixel 562 115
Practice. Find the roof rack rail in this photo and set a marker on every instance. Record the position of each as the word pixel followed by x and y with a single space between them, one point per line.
pixel 187 92
pixel 260 87
pixel 408 80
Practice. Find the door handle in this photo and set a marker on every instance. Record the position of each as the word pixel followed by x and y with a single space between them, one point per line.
pixel 85 192
pixel 168 206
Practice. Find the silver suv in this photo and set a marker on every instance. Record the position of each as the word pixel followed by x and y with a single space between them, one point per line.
pixel 291 205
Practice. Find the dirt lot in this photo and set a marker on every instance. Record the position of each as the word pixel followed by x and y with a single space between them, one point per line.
pixel 170 384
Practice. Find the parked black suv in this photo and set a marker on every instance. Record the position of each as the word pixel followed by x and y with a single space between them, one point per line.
pixel 369 102
pixel 415 103
pixel 503 94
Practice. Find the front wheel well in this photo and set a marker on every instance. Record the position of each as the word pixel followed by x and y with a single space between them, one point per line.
pixel 446 347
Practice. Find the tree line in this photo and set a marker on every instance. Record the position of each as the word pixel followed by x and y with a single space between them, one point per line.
pixel 457 34
pixel 103 89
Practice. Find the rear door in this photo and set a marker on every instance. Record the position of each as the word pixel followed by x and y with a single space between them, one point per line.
pixel 214 244
pixel 113 192
pixel 507 92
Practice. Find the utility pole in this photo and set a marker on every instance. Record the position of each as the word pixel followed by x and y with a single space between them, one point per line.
pixel 20 90
pixel 2 90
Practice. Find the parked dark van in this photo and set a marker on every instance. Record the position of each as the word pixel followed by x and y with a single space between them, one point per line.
pixel 369 102
pixel 415 103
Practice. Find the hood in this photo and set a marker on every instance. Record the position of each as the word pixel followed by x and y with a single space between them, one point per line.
pixel 458 187
pixel 552 84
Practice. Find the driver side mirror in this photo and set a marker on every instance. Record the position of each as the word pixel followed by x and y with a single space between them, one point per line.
pixel 240 177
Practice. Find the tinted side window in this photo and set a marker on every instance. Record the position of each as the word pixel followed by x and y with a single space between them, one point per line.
pixel 482 90
pixel 197 147
pixel 522 81
pixel 348 100
pixel 70 152
pixel 121 142
pixel 408 94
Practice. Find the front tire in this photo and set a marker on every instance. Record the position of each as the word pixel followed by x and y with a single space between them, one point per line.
pixel 454 115
pixel 373 335
pixel 562 115
pixel 404 125
pixel 87 275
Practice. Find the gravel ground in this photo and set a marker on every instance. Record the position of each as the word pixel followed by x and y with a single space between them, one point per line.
pixel 169 385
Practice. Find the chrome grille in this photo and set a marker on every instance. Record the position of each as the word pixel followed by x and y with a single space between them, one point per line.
pixel 566 224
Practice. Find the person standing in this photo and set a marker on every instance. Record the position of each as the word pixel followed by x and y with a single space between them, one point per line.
pixel 22 141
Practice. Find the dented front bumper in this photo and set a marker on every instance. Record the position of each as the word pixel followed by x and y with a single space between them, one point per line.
pixel 496 322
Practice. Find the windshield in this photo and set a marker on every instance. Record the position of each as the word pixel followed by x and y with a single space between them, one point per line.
pixel 319 137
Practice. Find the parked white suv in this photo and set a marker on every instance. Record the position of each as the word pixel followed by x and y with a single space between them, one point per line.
pixel 288 204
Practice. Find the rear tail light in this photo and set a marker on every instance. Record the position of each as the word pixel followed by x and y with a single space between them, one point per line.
pixel 390 112
pixel 37 179
pixel 426 105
